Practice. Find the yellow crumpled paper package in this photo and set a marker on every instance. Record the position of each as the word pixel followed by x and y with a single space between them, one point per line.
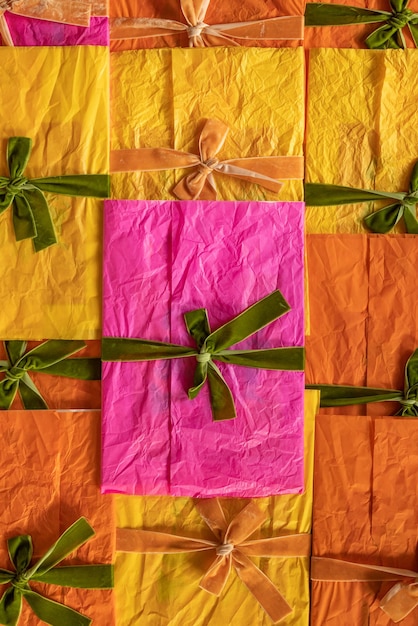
pixel 163 590
pixel 159 99
pixel 362 129
pixel 58 97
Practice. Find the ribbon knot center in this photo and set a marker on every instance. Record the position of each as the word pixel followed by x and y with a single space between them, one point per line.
pixel 205 167
pixel 196 30
pixel 203 357
pixel 14 374
pixel 401 19
pixel 411 199
pixel 15 185
pixel 225 549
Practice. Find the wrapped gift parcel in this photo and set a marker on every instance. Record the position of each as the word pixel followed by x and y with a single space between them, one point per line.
pixel 375 24
pixel 147 24
pixel 363 141
pixel 363 312
pixel 170 583
pixel 58 23
pixel 365 565
pixel 232 117
pixel 50 483
pixel 53 172
pixel 193 279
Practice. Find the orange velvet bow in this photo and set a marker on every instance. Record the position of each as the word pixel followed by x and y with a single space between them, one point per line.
pixel 201 34
pixel 397 603
pixel 263 171
pixel 231 550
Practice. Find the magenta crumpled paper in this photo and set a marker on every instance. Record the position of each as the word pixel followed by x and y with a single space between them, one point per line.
pixel 27 31
pixel 161 260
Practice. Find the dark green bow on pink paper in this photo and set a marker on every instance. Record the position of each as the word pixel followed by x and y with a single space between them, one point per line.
pixel 389 35
pixel 31 215
pixel 215 346
pixel 45 571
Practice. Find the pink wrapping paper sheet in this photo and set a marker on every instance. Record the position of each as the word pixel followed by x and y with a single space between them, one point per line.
pixel 161 260
pixel 27 31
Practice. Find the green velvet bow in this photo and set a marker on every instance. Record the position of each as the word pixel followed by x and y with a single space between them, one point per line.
pixel 49 358
pixel 45 571
pixel 340 395
pixel 214 345
pixel 31 215
pixel 387 36
pixel 381 221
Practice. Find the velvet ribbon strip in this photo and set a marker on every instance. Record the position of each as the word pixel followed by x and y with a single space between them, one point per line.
pixel 387 36
pixel 45 571
pixel 346 395
pixel 214 345
pixel 263 171
pixel 201 34
pixel 76 12
pixel 231 550
pixel 400 600
pixel 381 221
pixel 51 357
pixel 31 215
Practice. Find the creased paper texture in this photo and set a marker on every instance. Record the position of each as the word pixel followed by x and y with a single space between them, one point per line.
pixel 26 31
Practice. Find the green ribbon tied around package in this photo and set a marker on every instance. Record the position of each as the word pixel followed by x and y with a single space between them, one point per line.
pixel 31 214
pixel 381 221
pixel 214 346
pixel 50 357
pixel 389 35
pixel 45 571
pixel 340 395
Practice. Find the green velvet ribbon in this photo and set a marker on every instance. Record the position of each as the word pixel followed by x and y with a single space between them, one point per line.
pixel 214 345
pixel 31 215
pixel 50 357
pixel 381 221
pixel 341 395
pixel 45 571
pixel 387 36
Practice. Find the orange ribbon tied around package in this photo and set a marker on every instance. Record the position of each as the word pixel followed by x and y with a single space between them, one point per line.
pixel 263 171
pixel 75 12
pixel 231 550
pixel 400 600
pixel 200 33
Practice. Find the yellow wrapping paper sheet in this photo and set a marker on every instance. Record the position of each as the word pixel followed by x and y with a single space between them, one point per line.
pixel 160 99
pixel 362 129
pixel 162 590
pixel 59 98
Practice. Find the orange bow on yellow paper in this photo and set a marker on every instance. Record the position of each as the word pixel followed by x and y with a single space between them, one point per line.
pixel 201 34
pixel 231 550
pixel 264 171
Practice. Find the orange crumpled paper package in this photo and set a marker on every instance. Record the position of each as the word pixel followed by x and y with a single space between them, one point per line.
pixel 365 511
pixel 50 477
pixel 363 311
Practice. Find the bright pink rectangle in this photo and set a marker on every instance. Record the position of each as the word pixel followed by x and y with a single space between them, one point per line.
pixel 27 31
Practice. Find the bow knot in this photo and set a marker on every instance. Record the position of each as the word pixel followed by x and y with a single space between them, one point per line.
pixel 225 549
pixel 401 19
pixel 206 167
pixel 203 357
pixel 195 31
pixel 15 374
pixel 15 186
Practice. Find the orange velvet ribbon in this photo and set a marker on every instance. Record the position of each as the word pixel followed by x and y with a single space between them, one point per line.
pixel 200 33
pixel 76 12
pixel 263 171
pixel 397 603
pixel 231 550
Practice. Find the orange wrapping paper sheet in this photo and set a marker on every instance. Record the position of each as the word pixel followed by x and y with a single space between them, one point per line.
pixel 352 36
pixel 50 478
pixel 363 307
pixel 365 510
pixel 219 12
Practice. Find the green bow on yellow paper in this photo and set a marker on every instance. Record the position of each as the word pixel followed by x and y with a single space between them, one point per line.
pixel 387 36
pixel 31 215
pixel 214 346
pixel 344 395
pixel 51 357
pixel 45 571
pixel 381 221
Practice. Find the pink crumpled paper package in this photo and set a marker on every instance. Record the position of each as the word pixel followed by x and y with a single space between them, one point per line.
pixel 27 31
pixel 163 259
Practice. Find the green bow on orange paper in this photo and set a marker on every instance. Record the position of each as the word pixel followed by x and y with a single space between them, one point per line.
pixel 51 357
pixel 387 36
pixel 381 221
pixel 31 215
pixel 45 571
pixel 344 395
pixel 214 345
